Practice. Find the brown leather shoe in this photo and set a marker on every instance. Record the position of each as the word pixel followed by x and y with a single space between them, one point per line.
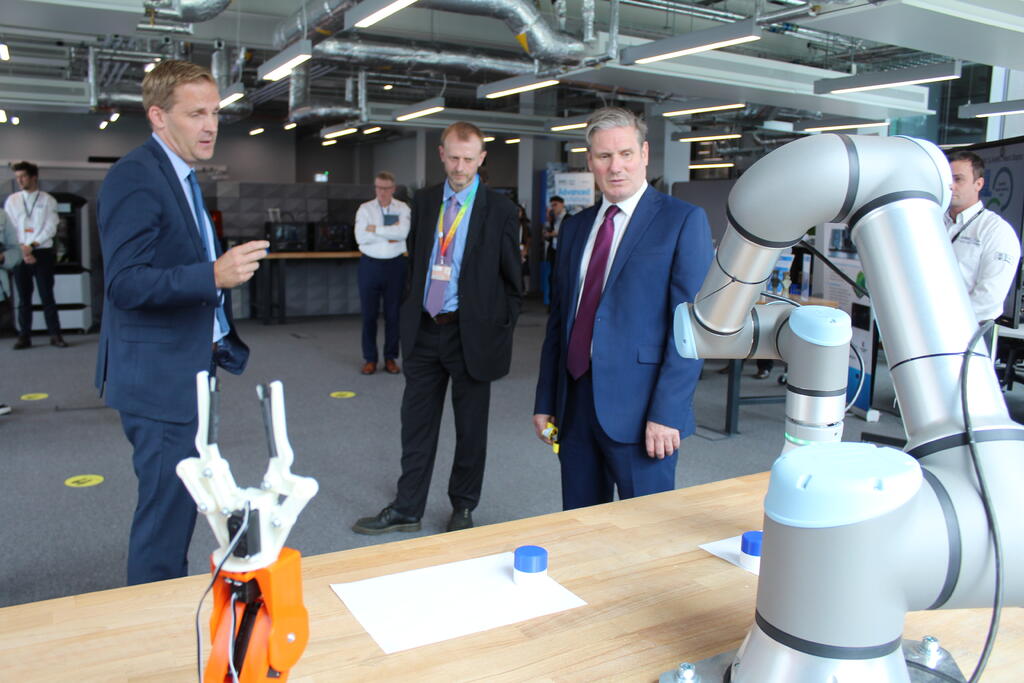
pixel 58 341
pixel 391 366
pixel 369 368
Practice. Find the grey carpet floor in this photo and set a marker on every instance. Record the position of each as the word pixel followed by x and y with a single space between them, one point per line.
pixel 58 540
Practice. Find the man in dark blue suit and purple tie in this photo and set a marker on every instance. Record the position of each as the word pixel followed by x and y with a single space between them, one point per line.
pixel 167 306
pixel 610 379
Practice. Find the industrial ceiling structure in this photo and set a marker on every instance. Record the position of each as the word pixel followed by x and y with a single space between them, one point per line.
pixel 768 81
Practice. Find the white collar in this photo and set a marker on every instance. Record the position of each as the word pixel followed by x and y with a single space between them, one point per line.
pixel 626 206
pixel 968 213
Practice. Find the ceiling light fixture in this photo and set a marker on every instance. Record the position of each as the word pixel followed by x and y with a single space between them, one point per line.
pixel 702 107
pixel 371 131
pixel 984 110
pixel 706 136
pixel 836 124
pixel 3 116
pixel 104 124
pixel 115 116
pixel 368 12
pixel 149 67
pixel 513 141
pixel 424 108
pixel 328 143
pixel 735 33
pixel 514 86
pixel 337 131
pixel 256 131
pixel 290 125
pixel 489 138
pixel 577 149
pixel 281 64
pixel 573 123
pixel 15 120
pixel 877 80
pixel 232 93
pixel 388 86
pixel 724 164
pixel 5 53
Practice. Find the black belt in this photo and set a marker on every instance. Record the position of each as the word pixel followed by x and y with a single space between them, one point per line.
pixel 443 318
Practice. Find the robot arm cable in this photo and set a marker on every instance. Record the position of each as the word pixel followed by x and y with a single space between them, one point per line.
pixel 825 259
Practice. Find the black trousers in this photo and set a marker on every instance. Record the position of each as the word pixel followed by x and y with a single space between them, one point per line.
pixel 436 359
pixel 42 272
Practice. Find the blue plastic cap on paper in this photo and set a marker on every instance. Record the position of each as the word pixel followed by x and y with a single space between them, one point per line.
pixel 531 559
pixel 750 543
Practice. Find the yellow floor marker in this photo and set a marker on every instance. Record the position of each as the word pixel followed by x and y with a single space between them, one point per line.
pixel 342 394
pixel 80 481
pixel 34 397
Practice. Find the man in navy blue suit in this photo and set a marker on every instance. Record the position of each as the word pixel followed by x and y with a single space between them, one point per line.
pixel 167 304
pixel 610 379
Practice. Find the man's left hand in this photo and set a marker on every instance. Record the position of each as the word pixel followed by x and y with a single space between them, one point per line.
pixel 661 441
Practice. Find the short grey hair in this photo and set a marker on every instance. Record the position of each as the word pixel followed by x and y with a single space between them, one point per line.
pixel 616 117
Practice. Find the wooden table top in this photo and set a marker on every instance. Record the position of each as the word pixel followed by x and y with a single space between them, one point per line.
pixel 654 599
pixel 280 255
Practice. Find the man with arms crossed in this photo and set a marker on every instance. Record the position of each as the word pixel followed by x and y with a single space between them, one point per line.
pixel 167 304
pixel 457 321
pixel 610 378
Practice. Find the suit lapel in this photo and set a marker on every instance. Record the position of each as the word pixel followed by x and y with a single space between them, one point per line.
pixel 168 170
pixel 476 225
pixel 646 209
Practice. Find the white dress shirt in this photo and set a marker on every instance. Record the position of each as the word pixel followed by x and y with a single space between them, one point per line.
pixel 988 252
pixel 386 241
pixel 34 214
pixel 620 222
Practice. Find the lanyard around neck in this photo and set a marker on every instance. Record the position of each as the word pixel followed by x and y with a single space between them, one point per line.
pixel 969 221
pixel 24 204
pixel 446 239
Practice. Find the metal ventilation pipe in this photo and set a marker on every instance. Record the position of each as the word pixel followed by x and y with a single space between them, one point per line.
pixel 302 111
pixel 348 51
pixel 525 21
pixel 185 10
pixel 317 18
pixel 221 70
pixel 589 13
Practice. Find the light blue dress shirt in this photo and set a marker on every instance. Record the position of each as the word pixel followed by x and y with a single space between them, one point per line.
pixel 181 170
pixel 451 293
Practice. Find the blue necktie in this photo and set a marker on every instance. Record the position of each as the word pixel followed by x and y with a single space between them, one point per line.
pixel 201 222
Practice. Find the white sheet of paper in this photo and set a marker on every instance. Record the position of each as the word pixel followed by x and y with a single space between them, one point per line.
pixel 729 550
pixel 409 609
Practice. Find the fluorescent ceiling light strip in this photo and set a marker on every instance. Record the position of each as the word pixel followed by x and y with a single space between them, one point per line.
pixel 522 88
pixel 736 33
pixel 328 143
pixel 369 12
pixel 115 116
pixel 417 114
pixel 709 138
pixel 489 138
pixel 3 116
pixel 987 109
pixel 338 133
pixel 371 131
pixel 578 149
pixel 845 126
pixel 290 125
pixel 256 131
pixel 281 64
pixel 5 53
pixel 569 126
pixel 103 124
pixel 727 164
pixel 703 110
pixel 513 141
pixel 878 80
pixel 424 108
pixel 233 93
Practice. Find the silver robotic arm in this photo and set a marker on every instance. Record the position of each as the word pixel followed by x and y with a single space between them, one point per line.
pixel 856 536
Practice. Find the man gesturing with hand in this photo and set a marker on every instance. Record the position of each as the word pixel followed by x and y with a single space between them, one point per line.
pixel 167 306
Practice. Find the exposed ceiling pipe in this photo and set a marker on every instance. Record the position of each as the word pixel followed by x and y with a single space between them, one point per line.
pixel 185 10
pixel 319 18
pixel 221 70
pixel 302 111
pixel 589 13
pixel 348 51
pixel 531 30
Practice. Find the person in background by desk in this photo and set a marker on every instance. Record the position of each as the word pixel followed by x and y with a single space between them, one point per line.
pixel 458 317
pixel 166 307
pixel 34 214
pixel 382 226
pixel 986 247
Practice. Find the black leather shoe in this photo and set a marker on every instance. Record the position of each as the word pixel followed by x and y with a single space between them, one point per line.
pixel 461 519
pixel 386 520
pixel 22 343
pixel 59 342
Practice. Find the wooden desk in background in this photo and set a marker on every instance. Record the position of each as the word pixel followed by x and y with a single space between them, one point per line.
pixel 273 273
pixel 654 599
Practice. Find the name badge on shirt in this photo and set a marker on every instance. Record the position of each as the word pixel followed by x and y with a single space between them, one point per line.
pixel 29 229
pixel 442 273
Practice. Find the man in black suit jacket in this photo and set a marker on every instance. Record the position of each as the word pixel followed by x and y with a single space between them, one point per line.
pixel 461 305
pixel 167 306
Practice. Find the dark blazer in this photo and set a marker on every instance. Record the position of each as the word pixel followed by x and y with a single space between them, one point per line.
pixel 159 297
pixel 638 376
pixel 489 291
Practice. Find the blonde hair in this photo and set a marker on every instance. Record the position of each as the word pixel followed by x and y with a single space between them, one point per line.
pixel 158 85
pixel 463 130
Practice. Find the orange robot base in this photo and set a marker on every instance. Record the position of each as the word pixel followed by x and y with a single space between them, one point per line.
pixel 271 623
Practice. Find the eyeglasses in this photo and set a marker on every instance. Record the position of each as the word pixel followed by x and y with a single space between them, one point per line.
pixel 385 187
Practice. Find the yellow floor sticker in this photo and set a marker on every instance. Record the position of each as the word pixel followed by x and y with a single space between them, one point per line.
pixel 34 397
pixel 82 480
pixel 342 394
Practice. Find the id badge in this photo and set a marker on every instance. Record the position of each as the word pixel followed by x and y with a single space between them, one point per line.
pixel 29 229
pixel 442 273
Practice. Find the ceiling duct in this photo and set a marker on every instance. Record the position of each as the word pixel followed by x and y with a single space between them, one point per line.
pixel 531 30
pixel 361 52
pixel 221 70
pixel 185 10
pixel 302 110
pixel 317 19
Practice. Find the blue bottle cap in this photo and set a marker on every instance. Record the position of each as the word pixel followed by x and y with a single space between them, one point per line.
pixel 751 543
pixel 531 559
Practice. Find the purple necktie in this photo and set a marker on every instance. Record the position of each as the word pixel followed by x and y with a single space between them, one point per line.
pixel 435 294
pixel 583 329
